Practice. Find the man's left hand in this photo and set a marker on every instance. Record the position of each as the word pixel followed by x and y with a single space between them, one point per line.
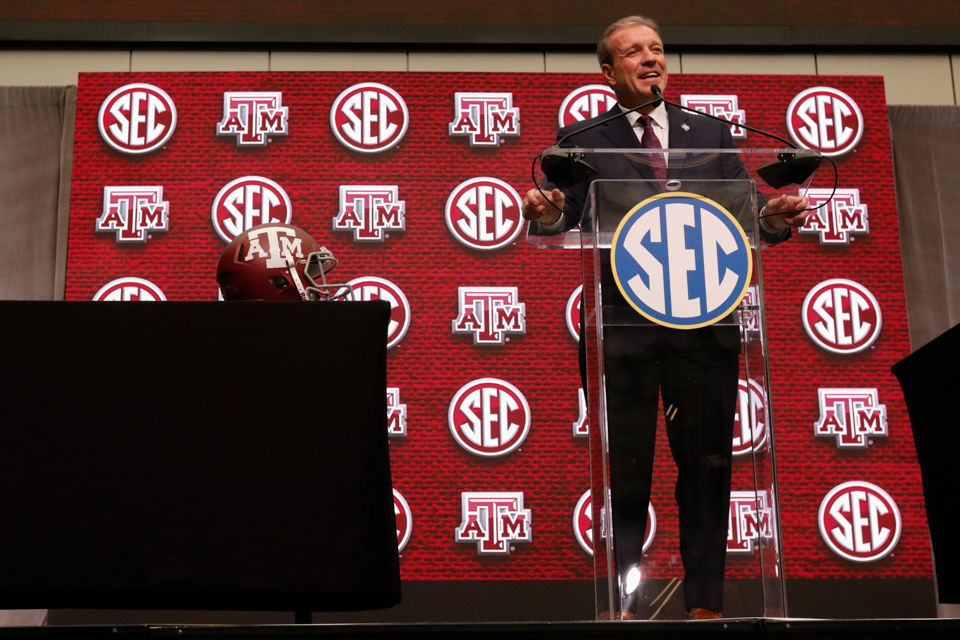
pixel 786 211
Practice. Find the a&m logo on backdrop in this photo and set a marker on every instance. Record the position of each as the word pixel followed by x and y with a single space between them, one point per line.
pixel 253 116
pixel 681 260
pixel 489 314
pixel 484 117
pixel 842 217
pixel 370 211
pixel 132 212
pixel 492 520
pixel 851 416
pixel 751 519
pixel 720 105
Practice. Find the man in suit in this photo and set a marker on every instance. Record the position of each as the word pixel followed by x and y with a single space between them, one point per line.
pixel 694 371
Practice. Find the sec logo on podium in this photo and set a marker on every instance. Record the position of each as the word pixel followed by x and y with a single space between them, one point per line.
pixel 681 260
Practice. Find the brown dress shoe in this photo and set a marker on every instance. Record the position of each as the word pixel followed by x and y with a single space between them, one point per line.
pixel 699 613
pixel 619 615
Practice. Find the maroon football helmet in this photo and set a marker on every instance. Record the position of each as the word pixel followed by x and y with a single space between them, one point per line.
pixel 277 262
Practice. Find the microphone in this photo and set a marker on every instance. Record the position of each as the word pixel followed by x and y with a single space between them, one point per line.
pixel 792 166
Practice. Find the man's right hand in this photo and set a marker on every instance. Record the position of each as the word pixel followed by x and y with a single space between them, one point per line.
pixel 538 208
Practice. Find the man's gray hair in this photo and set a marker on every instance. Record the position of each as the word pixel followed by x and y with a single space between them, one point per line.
pixel 603 47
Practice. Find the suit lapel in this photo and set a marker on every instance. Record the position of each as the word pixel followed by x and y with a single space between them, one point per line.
pixel 621 135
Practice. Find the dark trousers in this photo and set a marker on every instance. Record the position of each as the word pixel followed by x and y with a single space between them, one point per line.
pixel 696 374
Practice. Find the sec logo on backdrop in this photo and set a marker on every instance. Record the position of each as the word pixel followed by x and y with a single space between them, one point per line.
pixel 247 202
pixel 484 213
pixel 841 316
pixel 368 288
pixel 369 117
pixel 489 417
pixel 129 289
pixel 137 118
pixel 825 119
pixel 681 260
pixel 859 521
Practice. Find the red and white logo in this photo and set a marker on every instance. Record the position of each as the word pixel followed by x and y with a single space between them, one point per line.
pixel 851 416
pixel 583 524
pixel 247 202
pixel 129 289
pixel 492 520
pixel 369 117
pixel 722 106
pixel 132 212
pixel 841 316
pixel 572 313
pixel 842 217
pixel 859 521
pixel 485 117
pixel 253 117
pixel 137 118
pixel 751 518
pixel 750 310
pixel 581 428
pixel 396 414
pixel 825 119
pixel 489 417
pixel 484 213
pixel 586 102
pixel 372 288
pixel 751 434
pixel 489 313
pixel 404 518
pixel 369 211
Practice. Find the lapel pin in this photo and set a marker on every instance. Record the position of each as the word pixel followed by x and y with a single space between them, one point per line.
pixel 685 126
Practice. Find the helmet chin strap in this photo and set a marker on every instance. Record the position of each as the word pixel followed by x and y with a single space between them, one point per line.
pixel 292 267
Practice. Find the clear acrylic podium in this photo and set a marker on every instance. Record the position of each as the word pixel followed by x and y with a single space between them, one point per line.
pixel 639 568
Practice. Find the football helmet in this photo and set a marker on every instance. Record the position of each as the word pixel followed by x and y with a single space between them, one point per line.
pixel 276 261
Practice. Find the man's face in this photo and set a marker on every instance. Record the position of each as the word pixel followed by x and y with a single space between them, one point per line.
pixel 638 64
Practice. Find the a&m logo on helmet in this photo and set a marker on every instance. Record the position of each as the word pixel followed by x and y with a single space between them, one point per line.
pixel 489 417
pixel 137 118
pixel 278 246
pixel 396 414
pixel 851 416
pixel 583 524
pixel 841 316
pixel 132 212
pixel 720 105
pixel 493 520
pixel 489 314
pixel 859 521
pixel 681 260
pixel 484 117
pixel 484 213
pixel 370 211
pixel 750 421
pixel 129 289
pixel 369 117
pixel 843 216
pixel 253 117
pixel 404 518
pixel 751 518
pixel 826 120
pixel 586 102
pixel 247 202
pixel 368 288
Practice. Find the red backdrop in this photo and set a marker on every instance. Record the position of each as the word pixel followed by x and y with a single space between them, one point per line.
pixel 431 362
